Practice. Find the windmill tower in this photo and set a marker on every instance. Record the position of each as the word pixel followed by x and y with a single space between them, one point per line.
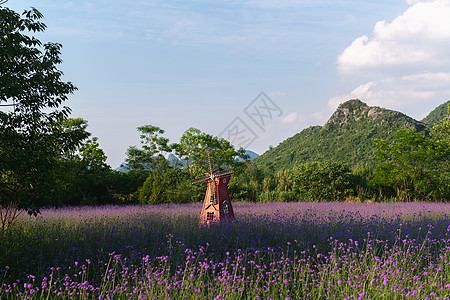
pixel 217 204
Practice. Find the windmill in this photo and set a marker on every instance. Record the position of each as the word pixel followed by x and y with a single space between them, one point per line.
pixel 217 204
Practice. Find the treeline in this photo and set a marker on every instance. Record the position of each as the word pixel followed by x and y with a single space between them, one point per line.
pixel 412 167
pixel 80 175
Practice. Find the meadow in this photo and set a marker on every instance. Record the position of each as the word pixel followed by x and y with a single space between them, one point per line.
pixel 273 251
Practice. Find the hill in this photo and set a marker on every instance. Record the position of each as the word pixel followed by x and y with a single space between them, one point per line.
pixel 347 136
pixel 438 114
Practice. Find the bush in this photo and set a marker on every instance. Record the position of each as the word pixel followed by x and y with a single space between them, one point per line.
pixel 168 185
pixel 322 181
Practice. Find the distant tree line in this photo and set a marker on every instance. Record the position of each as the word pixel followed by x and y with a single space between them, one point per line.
pixel 411 167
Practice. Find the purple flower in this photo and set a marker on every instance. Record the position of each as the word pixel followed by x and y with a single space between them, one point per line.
pixel 27 285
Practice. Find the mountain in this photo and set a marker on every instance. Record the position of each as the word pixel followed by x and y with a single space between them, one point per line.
pixel 251 155
pixel 438 114
pixel 347 136
pixel 124 167
pixel 174 160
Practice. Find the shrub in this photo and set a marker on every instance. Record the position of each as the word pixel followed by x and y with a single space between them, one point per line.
pixel 322 181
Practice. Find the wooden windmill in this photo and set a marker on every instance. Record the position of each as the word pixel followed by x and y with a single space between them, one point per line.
pixel 217 204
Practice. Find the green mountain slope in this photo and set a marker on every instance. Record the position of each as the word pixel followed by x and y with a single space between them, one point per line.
pixel 438 114
pixel 347 136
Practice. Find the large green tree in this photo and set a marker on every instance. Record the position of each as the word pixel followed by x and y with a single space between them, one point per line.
pixel 150 158
pixel 167 183
pixel 31 95
pixel 414 165
pixel 322 181
pixel 152 151
pixel 197 148
pixel 83 175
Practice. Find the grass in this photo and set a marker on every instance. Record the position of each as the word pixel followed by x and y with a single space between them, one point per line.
pixel 272 251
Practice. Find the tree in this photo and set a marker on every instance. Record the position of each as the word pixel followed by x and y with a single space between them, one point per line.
pixel 75 130
pixel 31 94
pixel 247 185
pixel 172 184
pixel 154 146
pixel 188 146
pixel 151 157
pixel 82 173
pixel 441 130
pixel 197 148
pixel 92 156
pixel 412 164
pixel 322 181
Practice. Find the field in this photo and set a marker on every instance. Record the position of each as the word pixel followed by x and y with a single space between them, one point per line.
pixel 273 251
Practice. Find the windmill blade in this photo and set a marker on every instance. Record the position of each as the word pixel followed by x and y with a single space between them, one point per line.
pixel 224 173
pixel 200 180
pixel 213 199
pixel 210 164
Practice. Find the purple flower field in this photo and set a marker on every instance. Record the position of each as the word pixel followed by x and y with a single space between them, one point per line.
pixel 273 251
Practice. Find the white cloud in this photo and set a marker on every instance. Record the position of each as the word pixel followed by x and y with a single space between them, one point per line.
pixel 400 92
pixel 290 118
pixel 318 116
pixel 419 38
pixel 404 64
pixel 362 92
pixel 411 2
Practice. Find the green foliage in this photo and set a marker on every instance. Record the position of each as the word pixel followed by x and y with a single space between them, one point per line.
pixel 346 137
pixel 81 173
pixel 153 148
pixel 409 162
pixel 124 186
pixel 166 185
pixel 189 146
pixel 197 147
pixel 437 115
pixel 172 184
pixel 73 129
pixel 258 186
pixel 247 185
pixel 362 174
pixel 31 93
pixel 441 129
pixel 413 165
pixel 322 181
pixel 92 156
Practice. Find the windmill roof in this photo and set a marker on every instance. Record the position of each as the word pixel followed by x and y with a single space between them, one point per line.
pixel 217 170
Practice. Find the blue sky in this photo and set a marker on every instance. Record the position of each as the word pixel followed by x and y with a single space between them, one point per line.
pixel 203 64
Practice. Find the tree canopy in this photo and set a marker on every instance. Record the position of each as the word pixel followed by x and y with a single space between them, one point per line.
pixel 197 147
pixel 31 95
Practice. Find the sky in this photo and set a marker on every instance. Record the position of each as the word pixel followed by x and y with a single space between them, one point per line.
pixel 255 72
